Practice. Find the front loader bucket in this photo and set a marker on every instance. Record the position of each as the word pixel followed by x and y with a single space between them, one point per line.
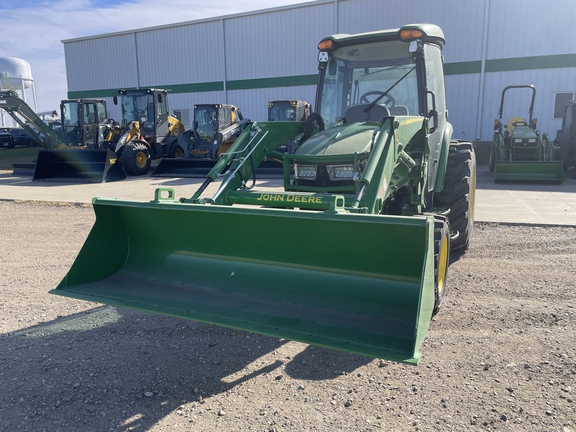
pixel 529 171
pixel 78 165
pixel 352 282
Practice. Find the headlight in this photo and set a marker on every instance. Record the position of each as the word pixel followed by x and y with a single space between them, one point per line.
pixel 532 140
pixel 340 172
pixel 518 141
pixel 307 172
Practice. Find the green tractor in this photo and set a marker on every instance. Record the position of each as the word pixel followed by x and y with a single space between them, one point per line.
pixel 519 153
pixel 351 254
pixel 565 140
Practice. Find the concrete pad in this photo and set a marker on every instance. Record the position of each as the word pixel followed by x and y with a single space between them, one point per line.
pixel 539 204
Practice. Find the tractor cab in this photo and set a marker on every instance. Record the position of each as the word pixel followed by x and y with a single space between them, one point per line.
pixel 362 81
pixel 81 120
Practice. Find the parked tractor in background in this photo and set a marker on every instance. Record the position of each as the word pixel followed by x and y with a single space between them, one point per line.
pixel 83 152
pixel 565 140
pixel 372 203
pixel 288 110
pixel 194 153
pixel 519 152
pixel 150 132
pixel 59 157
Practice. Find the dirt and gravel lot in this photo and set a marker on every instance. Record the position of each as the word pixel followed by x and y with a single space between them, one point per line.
pixel 500 355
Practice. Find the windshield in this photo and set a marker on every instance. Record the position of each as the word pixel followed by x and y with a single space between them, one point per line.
pixel 136 106
pixel 360 74
pixel 206 121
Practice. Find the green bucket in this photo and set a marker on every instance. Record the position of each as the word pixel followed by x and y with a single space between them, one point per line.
pixel 352 282
pixel 529 171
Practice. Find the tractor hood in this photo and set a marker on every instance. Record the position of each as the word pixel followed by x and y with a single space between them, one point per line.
pixel 523 132
pixel 338 140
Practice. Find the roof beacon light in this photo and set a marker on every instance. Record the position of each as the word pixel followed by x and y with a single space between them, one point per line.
pixel 410 34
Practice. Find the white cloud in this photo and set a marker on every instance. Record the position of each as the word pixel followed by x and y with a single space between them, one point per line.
pixel 33 30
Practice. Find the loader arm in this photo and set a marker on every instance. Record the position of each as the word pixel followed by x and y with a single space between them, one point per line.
pixel 22 114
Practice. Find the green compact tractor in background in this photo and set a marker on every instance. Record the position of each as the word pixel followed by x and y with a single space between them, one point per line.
pixel 519 152
pixel 352 253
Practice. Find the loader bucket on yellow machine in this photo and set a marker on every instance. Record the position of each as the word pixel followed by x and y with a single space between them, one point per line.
pixel 78 165
pixel 352 282
pixel 529 171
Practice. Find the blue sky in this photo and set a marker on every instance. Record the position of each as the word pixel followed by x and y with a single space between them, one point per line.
pixel 33 30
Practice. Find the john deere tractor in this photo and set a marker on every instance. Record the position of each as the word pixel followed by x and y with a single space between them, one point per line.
pixel 519 152
pixel 352 253
pixel 565 140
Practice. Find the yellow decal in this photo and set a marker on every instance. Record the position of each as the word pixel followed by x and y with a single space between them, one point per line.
pixel 290 198
pixel 112 161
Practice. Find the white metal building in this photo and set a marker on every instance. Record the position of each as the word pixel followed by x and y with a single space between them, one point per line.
pixel 248 59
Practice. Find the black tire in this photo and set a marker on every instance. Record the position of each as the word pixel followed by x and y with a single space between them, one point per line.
pixel 136 158
pixel 441 259
pixel 492 160
pixel 313 124
pixel 459 191
pixel 175 151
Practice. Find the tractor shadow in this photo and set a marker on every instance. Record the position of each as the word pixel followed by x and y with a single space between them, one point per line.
pixel 119 369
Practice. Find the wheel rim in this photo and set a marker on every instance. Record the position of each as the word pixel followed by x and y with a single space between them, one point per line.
pixel 442 266
pixel 141 159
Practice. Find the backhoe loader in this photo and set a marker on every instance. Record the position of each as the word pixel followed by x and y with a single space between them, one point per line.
pixel 83 151
pixel 519 153
pixel 59 157
pixel 352 254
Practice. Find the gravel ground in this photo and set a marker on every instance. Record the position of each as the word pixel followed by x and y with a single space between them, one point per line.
pixel 500 355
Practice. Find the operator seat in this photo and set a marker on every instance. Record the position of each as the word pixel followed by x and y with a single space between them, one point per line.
pixel 356 114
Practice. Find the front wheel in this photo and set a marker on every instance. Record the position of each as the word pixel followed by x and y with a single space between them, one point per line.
pixel 136 158
pixel 175 151
pixel 459 191
pixel 441 260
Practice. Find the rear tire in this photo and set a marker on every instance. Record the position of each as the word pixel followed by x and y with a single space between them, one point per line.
pixel 459 192
pixel 136 158
pixel 492 159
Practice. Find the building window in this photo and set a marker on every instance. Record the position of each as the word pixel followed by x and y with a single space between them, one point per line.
pixel 560 100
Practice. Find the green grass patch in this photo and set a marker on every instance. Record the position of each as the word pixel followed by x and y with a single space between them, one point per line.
pixel 17 155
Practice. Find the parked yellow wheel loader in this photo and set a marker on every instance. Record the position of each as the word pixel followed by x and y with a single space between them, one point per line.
pixel 352 254
pixel 519 153
pixel 150 132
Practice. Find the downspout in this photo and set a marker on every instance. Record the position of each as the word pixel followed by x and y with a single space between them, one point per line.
pixel 480 107
pixel 137 62
pixel 225 77
pixel 336 16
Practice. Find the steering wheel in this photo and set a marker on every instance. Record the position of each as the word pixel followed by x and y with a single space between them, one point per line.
pixel 388 99
pixel 519 123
